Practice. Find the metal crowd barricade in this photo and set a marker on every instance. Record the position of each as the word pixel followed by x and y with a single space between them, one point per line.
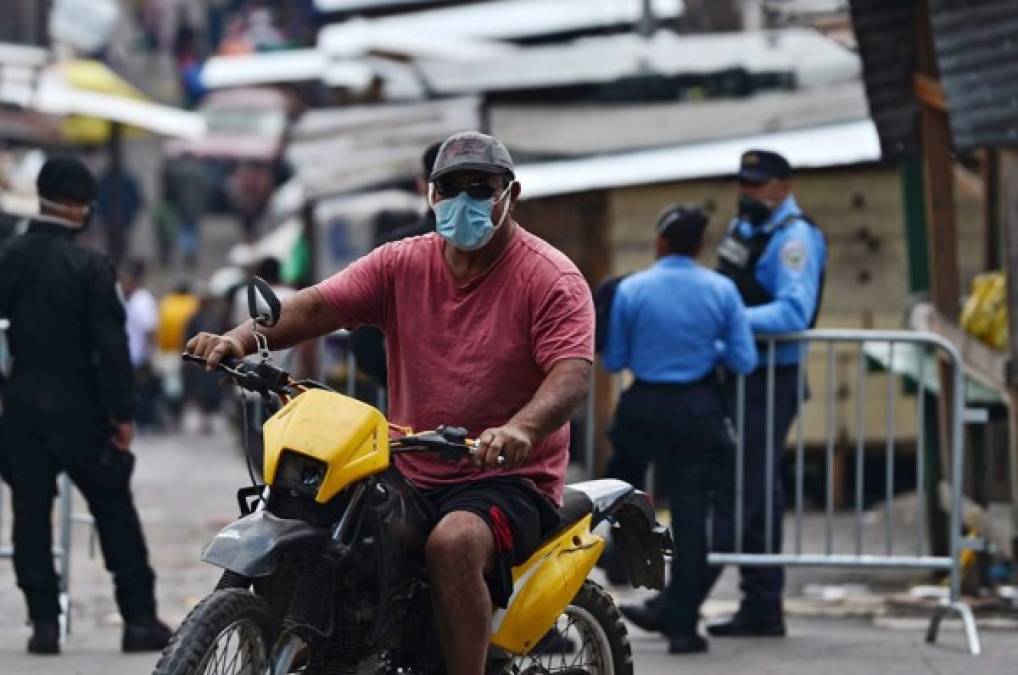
pixel 62 551
pixel 898 344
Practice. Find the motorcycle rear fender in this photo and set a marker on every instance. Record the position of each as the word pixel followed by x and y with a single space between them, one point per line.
pixel 251 546
pixel 640 540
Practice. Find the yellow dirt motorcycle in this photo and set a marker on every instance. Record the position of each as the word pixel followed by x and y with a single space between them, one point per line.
pixel 324 570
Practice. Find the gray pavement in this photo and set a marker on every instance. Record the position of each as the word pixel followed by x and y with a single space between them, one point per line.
pixel 184 487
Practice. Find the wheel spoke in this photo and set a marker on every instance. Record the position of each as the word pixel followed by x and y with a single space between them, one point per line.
pixel 237 650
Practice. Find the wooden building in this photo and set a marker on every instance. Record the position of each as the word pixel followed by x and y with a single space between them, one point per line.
pixel 601 211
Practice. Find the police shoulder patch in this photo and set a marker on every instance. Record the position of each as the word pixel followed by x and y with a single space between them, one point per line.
pixel 794 254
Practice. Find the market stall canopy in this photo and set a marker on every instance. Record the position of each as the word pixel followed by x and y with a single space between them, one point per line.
pixel 96 97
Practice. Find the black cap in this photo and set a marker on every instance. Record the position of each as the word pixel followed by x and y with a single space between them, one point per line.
pixel 759 166
pixel 472 151
pixel 683 220
pixel 67 178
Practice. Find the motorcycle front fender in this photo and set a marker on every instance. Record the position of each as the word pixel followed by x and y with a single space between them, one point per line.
pixel 251 546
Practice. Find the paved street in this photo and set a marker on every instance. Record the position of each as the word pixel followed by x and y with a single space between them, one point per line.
pixel 184 487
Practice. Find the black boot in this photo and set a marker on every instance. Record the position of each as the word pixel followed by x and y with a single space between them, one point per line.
pixel 648 616
pixel 749 626
pixel 687 644
pixel 45 638
pixel 145 635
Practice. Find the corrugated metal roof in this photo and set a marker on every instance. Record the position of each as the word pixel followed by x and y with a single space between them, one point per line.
pixel 977 54
pixel 884 31
pixel 830 145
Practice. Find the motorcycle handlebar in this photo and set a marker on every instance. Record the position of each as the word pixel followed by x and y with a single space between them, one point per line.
pixel 229 363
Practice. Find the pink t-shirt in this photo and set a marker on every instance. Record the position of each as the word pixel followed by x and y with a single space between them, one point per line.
pixel 470 355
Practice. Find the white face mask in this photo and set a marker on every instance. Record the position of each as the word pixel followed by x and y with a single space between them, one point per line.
pixel 76 216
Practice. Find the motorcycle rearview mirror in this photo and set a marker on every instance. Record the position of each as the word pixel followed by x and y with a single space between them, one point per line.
pixel 263 306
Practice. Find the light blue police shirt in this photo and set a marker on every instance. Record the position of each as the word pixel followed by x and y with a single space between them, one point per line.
pixel 674 321
pixel 790 269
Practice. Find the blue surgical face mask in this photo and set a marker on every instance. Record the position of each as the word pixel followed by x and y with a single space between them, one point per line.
pixel 465 222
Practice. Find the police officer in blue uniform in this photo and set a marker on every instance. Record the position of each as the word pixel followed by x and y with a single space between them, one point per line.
pixel 776 257
pixel 671 326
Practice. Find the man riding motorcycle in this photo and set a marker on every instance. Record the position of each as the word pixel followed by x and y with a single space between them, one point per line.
pixel 485 324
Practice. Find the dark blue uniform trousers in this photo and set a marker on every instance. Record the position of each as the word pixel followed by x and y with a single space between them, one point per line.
pixel 761 586
pixel 683 427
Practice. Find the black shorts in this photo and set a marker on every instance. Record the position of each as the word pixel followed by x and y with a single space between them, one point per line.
pixel 519 516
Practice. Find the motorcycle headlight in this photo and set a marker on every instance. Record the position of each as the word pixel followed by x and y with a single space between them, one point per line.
pixel 300 474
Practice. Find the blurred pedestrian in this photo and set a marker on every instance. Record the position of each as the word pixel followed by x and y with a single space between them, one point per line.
pixel 672 325
pixel 368 342
pixel 175 311
pixel 249 188
pixel 202 389
pixel 165 220
pixel 189 191
pixel 69 406
pixel 141 323
pixel 118 202
pixel 776 256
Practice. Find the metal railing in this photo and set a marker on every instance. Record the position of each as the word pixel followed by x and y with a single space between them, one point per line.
pixel 919 358
pixel 65 516
pixel 907 355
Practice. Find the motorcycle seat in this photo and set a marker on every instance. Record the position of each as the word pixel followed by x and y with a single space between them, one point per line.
pixel 575 505
pixel 593 497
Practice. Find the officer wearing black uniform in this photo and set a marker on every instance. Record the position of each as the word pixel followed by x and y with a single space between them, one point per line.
pixel 776 256
pixel 68 406
pixel 671 326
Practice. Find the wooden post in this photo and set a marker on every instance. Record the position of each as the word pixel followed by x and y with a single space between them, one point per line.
pixel 990 171
pixel 938 171
pixel 1009 226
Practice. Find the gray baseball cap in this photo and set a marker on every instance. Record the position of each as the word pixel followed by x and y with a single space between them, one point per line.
pixel 472 151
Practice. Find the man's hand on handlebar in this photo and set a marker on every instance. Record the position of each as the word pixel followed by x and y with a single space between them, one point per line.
pixel 214 348
pixel 509 442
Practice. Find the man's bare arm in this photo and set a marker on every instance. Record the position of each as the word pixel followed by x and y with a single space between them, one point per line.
pixel 563 389
pixel 305 315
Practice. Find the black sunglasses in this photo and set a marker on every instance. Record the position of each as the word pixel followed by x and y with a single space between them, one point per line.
pixel 478 190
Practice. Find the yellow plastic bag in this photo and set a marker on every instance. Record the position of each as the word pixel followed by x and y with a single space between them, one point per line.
pixel 985 313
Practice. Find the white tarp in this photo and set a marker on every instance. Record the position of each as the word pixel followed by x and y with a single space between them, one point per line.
pixel 358 37
pixel 355 5
pixel 817 147
pixel 290 65
pixel 503 19
pixel 811 58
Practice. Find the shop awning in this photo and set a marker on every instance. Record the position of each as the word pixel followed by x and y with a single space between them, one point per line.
pixel 93 96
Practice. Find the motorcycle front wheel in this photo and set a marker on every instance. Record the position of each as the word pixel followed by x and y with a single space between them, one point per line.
pixel 228 633
pixel 589 638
